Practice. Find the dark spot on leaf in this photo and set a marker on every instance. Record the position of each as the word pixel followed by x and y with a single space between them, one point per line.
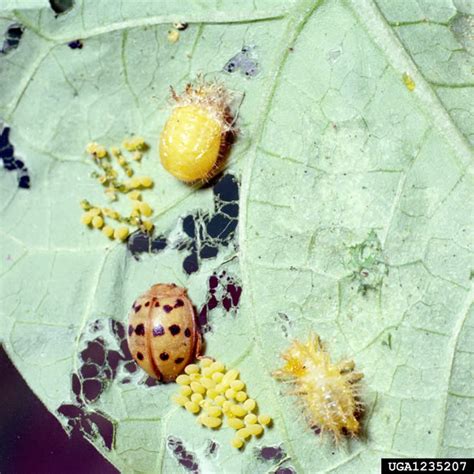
pixel 213 282
pixel 227 303
pixel 76 384
pixel 113 359
pixel 271 453
pixel 285 470
pixel 316 430
pixel 212 303
pixel 117 328
pixel 131 367
pixel 104 426
pixel 184 457
pixel 12 38
pixel 70 411
pixel 76 44
pixel 204 233
pixel 191 263
pixel 91 388
pixel 151 382
pixel 208 252
pixel 10 162
pixel 223 291
pixel 91 423
pixel 94 352
pixel 189 227
pixel 89 371
pixel 61 6
pixel 212 448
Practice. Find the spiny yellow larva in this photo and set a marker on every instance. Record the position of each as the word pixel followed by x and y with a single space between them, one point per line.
pixel 196 137
pixel 328 391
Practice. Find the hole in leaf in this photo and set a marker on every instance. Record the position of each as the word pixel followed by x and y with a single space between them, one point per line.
pixel 10 161
pixel 61 6
pixel 12 38
pixel 271 453
pixel 224 290
pixel 184 457
pixel 203 233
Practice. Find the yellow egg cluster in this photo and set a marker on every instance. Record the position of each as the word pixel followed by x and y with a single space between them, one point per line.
pixel 95 216
pixel 215 393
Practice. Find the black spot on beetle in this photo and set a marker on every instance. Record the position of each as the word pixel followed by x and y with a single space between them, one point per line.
pixel 179 360
pixel 137 308
pixel 140 330
pixel 157 304
pixel 130 330
pixel 167 308
pixel 139 356
pixel 158 330
pixel 174 329
pixel 187 332
pixel 179 303
pixel 147 304
pixel 164 356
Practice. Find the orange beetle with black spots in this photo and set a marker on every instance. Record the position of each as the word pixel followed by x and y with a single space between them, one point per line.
pixel 163 334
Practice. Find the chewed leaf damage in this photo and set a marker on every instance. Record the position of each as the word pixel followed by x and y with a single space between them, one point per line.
pixel 12 39
pixel 10 161
pixel 203 233
pixel 224 291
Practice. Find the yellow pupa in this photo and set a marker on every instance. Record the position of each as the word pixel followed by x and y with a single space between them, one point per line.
pixel 329 392
pixel 195 139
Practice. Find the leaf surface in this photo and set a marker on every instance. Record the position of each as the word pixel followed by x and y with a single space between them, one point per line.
pixel 354 220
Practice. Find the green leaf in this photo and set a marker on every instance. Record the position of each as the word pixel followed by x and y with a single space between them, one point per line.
pixel 355 218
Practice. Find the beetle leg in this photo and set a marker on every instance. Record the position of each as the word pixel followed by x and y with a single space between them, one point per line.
pixel 199 345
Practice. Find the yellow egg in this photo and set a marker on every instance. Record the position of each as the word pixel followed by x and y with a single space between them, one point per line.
pixel 237 443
